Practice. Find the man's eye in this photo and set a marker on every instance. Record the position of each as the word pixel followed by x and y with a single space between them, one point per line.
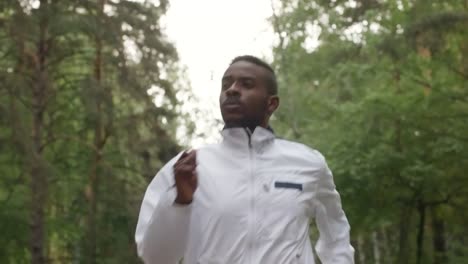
pixel 225 85
pixel 247 83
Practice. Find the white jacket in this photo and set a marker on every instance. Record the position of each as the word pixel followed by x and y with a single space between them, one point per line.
pixel 256 195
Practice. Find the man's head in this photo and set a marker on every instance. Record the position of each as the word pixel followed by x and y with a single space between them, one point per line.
pixel 248 93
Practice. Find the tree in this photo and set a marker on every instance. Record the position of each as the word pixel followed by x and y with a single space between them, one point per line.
pixel 80 127
pixel 382 97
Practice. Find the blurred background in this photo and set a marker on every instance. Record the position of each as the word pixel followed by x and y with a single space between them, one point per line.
pixel 96 95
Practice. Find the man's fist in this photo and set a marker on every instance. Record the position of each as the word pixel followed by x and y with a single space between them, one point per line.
pixel 186 177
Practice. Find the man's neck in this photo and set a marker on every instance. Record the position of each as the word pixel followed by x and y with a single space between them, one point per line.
pixel 250 127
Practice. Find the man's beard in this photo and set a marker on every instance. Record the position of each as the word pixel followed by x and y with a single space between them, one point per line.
pixel 250 122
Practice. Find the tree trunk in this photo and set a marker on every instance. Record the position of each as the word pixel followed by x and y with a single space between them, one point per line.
pixel 420 237
pixel 386 257
pixel 405 221
pixel 98 143
pixel 38 188
pixel 361 250
pixel 376 248
pixel 439 243
pixel 38 184
pixel 403 252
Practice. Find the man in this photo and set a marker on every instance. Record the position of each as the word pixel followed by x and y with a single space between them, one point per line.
pixel 248 199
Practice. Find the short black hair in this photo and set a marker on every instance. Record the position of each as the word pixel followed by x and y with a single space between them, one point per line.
pixel 271 79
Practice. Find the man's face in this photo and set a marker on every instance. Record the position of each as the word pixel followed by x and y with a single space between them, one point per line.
pixel 244 98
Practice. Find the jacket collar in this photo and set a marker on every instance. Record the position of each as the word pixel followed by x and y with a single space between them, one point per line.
pixel 244 137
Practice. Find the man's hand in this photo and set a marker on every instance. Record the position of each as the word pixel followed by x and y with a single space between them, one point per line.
pixel 185 177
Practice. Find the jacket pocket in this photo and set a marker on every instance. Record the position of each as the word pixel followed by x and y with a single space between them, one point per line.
pixel 288 185
pixel 280 210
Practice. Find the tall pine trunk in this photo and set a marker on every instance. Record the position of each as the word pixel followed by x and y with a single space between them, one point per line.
pixel 403 253
pixel 361 254
pixel 376 248
pixel 98 144
pixel 38 184
pixel 385 245
pixel 404 226
pixel 420 236
pixel 439 242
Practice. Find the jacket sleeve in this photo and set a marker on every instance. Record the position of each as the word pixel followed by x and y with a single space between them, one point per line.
pixel 333 245
pixel 163 226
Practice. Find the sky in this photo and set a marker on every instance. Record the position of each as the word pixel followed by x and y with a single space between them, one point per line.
pixel 208 34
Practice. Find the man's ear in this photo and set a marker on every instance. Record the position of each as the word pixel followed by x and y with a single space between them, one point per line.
pixel 273 103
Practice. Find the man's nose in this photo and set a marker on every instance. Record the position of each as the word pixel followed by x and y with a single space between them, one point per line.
pixel 233 90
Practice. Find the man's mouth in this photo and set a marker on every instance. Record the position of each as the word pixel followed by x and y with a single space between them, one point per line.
pixel 232 107
pixel 231 102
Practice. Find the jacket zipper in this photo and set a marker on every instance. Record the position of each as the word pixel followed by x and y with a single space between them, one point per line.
pixel 252 197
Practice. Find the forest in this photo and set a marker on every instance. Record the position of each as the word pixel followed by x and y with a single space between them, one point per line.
pixel 380 87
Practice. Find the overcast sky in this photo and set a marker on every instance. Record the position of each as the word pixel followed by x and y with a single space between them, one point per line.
pixel 208 34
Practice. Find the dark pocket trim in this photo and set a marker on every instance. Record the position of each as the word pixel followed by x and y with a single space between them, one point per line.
pixel 288 185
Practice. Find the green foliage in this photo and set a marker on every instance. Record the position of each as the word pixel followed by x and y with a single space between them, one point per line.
pixel 384 98
pixel 69 70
